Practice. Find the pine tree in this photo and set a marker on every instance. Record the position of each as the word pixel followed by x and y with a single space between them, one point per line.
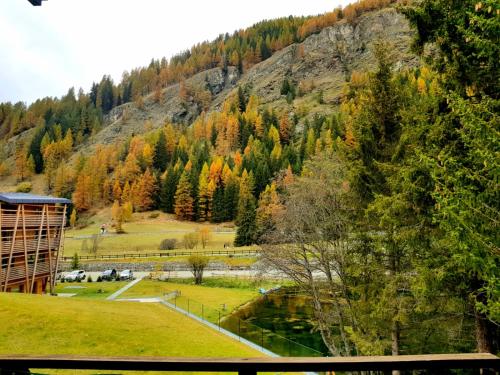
pixel 247 228
pixel 168 189
pixel 219 213
pixel 245 220
pixel 183 200
pixel 230 200
pixel 160 158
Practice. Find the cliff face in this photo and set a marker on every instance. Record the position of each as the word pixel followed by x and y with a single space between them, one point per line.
pixel 321 64
pixel 324 61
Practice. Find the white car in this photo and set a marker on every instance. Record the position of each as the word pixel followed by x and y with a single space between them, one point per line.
pixel 75 275
pixel 126 275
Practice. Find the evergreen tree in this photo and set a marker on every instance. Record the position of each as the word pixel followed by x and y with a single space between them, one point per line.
pixel 230 199
pixel 247 228
pixel 219 213
pixel 245 220
pixel 160 158
pixel 461 151
pixel 168 189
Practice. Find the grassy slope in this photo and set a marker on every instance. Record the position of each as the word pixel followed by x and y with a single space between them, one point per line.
pixel 211 296
pixel 50 325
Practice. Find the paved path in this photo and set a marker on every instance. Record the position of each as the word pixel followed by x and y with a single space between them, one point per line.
pixel 144 300
pixel 124 289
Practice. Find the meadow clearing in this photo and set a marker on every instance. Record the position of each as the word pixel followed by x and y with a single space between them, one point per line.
pixel 143 234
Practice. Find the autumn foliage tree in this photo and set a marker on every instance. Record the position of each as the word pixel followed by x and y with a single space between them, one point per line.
pixel 183 200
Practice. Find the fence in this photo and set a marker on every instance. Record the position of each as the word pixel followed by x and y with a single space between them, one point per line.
pixel 262 337
pixel 163 254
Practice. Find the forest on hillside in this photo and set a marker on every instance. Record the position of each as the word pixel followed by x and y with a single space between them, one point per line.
pixel 396 193
pixel 83 112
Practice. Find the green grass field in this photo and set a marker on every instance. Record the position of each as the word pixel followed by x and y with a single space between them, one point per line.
pixel 52 325
pixel 92 290
pixel 220 295
pixel 143 234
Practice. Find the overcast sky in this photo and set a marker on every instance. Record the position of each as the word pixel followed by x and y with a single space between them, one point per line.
pixel 46 50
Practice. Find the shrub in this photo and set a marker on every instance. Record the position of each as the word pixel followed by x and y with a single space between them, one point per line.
pixel 24 187
pixel 198 264
pixel 191 240
pixel 62 279
pixel 168 244
pixel 89 279
pixel 99 279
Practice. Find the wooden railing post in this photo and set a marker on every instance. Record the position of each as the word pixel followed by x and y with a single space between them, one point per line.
pixel 20 371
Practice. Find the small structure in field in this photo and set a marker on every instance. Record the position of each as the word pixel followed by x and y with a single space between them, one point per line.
pixel 31 237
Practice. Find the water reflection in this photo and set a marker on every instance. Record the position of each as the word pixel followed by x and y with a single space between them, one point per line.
pixel 286 319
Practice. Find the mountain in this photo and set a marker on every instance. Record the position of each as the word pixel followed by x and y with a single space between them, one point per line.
pixel 324 61
pixel 318 66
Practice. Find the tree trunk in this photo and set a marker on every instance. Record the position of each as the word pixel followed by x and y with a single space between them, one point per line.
pixel 483 334
pixel 487 333
pixel 395 333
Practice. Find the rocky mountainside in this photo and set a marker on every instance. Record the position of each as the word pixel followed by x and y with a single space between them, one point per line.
pixel 323 62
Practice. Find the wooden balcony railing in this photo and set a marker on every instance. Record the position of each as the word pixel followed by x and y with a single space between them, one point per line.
pixel 487 363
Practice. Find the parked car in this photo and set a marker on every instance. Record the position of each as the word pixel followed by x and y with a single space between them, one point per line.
pixel 126 275
pixel 76 275
pixel 108 275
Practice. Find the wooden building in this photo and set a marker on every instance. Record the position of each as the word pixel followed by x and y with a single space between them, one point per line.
pixel 31 238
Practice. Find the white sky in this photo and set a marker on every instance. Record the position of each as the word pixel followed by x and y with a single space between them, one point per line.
pixel 71 43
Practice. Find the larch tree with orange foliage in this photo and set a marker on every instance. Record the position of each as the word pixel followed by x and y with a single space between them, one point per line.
pixel 204 194
pixel 143 190
pixel 183 200
pixel 285 129
pixel 82 196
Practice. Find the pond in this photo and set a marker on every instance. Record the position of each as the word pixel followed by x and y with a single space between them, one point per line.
pixel 281 322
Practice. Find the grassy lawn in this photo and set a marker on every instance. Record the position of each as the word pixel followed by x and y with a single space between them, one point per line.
pixel 218 294
pixel 143 234
pixel 92 290
pixel 52 325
